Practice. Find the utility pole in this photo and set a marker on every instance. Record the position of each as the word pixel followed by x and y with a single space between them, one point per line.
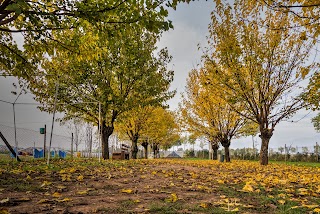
pixel 317 151
pixel 53 116
pixel 44 141
pixel 71 145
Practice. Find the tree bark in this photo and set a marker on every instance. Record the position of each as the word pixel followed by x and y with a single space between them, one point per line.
pixel 155 149
pixel 226 143
pixel 215 148
pixel 106 132
pixel 227 153
pixel 265 136
pixel 134 146
pixel 145 146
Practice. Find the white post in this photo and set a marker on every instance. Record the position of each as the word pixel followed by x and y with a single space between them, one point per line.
pixel 71 145
pixel 15 131
pixel 99 129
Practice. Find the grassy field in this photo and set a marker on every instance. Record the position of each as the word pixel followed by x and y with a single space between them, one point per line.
pixel 157 186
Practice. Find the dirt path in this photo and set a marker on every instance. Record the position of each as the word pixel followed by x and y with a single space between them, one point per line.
pixel 157 186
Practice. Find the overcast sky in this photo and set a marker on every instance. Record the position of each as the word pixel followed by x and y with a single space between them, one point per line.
pixel 190 29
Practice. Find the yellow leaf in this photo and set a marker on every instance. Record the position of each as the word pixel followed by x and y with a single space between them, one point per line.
pixel 173 198
pixel 45 183
pixel 56 195
pixel 65 177
pixel 137 201
pixel 62 171
pixel 85 192
pixel 282 202
pixel 220 181
pixel 72 170
pixel 204 205
pixel 316 210
pixel 235 210
pixel 80 178
pixel 310 206
pixel 248 188
pixel 281 195
pixel 127 191
pixel 64 200
pixel 43 201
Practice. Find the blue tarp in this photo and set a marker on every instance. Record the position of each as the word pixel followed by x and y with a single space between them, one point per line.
pixel 11 155
pixel 53 153
pixel 62 154
pixel 38 153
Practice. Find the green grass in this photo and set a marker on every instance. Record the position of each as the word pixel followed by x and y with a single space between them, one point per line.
pixel 310 164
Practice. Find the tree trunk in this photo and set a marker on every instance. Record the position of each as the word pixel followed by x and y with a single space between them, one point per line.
pixel 134 146
pixel 154 148
pixel 227 153
pixel 265 136
pixel 226 143
pixel 106 132
pixel 145 146
pixel 215 148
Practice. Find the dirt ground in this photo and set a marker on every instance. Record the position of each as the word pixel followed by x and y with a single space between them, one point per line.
pixel 141 186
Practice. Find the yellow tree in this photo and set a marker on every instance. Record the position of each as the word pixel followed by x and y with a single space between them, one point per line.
pixel 205 113
pixel 133 123
pixel 256 66
pixel 305 14
pixel 162 130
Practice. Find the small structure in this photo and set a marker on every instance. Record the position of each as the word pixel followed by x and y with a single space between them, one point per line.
pixel 62 154
pixel 123 154
pixel 37 153
pixel 173 155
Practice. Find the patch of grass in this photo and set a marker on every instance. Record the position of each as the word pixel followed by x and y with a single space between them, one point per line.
pixel 167 208
pixel 19 185
pixel 127 204
pixel 108 210
pixel 310 164
pixel 216 210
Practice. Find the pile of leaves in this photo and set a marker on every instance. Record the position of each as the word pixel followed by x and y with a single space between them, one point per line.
pixel 157 186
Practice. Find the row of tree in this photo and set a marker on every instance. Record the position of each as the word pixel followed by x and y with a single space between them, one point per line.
pixel 96 61
pixel 252 71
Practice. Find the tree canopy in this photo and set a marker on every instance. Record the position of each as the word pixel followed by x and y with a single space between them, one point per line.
pixel 38 21
pixel 116 67
pixel 206 114
pixel 257 66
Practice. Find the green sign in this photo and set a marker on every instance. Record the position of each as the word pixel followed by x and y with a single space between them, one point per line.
pixel 41 130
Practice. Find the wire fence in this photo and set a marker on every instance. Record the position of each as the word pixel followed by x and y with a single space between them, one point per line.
pixel 29 139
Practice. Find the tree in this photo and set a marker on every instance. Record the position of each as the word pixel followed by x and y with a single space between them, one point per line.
pixel 133 123
pixel 162 130
pixel 304 14
pixel 115 69
pixel 209 115
pixel 305 150
pixel 88 139
pixel 37 21
pixel 260 68
pixel 281 149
